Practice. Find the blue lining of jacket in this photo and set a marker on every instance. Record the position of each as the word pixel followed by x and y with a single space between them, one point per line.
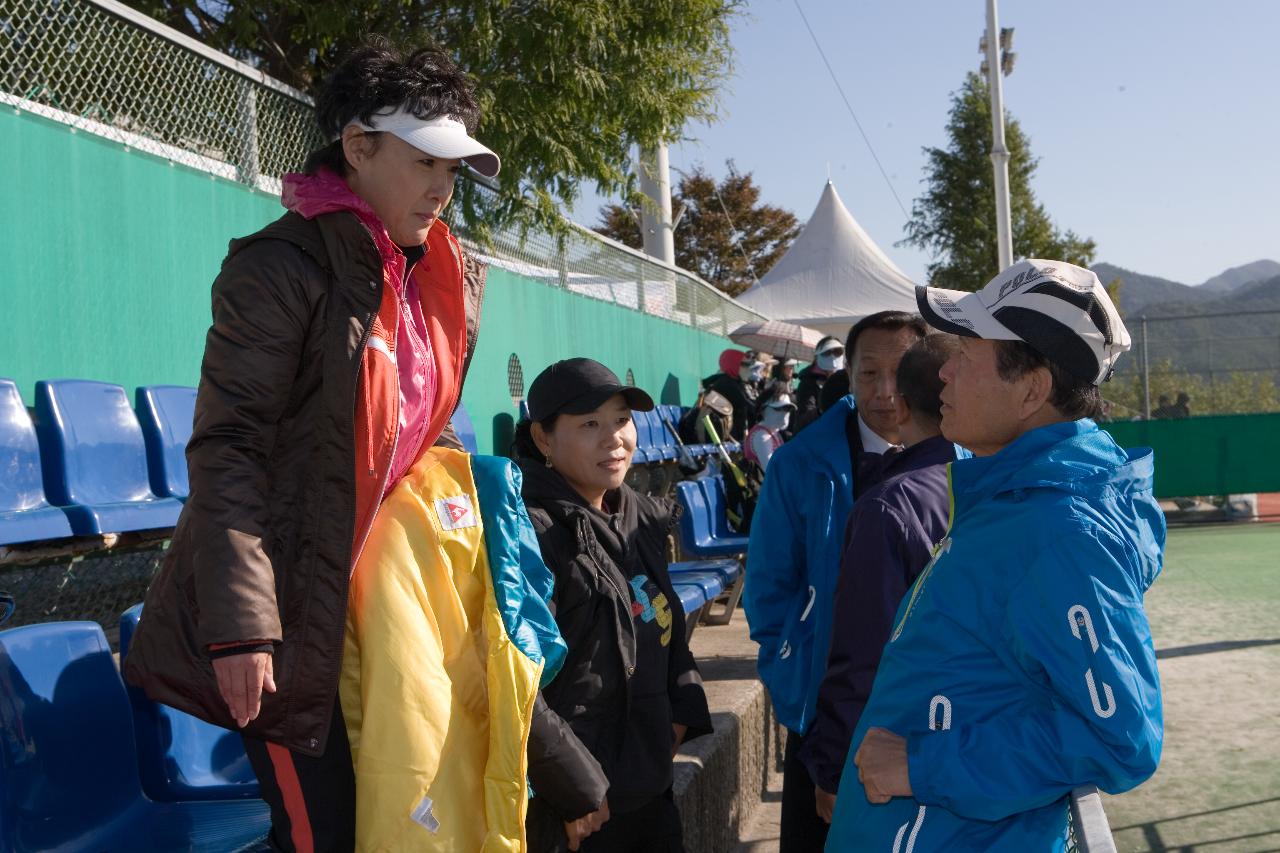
pixel 522 583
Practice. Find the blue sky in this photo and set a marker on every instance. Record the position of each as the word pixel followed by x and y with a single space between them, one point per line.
pixel 1156 122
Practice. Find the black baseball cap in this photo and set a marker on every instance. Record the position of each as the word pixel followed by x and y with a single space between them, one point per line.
pixel 576 386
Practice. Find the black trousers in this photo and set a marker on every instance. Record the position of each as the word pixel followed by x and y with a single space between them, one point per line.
pixel 313 800
pixel 652 828
pixel 801 830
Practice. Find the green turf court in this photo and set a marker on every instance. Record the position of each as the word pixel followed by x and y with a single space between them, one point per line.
pixel 1215 616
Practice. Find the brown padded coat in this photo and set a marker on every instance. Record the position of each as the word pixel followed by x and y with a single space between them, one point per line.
pixel 272 468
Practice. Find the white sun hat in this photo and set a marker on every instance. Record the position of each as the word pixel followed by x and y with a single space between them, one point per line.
pixel 442 136
pixel 1059 309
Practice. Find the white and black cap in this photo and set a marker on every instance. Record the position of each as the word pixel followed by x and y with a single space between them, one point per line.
pixel 1059 309
pixel 781 401
pixel 442 136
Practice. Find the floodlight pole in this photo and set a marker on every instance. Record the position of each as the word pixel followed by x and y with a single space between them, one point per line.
pixel 999 153
pixel 655 218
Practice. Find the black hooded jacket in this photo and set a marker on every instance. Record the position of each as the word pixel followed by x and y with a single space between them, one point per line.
pixel 589 735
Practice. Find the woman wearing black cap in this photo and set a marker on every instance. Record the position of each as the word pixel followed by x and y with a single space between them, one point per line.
pixel 606 730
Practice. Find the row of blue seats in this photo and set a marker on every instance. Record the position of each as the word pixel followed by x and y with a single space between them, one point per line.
pixel 91 464
pixel 705 534
pixel 92 764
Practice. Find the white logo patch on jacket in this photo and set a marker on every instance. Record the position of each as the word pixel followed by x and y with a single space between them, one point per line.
pixel 456 513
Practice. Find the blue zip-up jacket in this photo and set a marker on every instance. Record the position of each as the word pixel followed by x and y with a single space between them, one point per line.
pixel 1020 664
pixel 793 559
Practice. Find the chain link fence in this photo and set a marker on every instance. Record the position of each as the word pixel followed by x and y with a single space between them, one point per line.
pixel 1198 364
pixel 104 68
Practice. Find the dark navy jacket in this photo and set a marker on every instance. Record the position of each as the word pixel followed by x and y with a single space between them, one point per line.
pixel 888 540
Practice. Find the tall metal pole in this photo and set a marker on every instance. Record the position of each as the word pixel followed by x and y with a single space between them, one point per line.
pixel 999 153
pixel 655 218
pixel 1146 374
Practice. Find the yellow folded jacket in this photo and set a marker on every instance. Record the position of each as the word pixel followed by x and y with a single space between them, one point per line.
pixel 448 639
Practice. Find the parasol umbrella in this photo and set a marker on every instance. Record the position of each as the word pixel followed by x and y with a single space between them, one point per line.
pixel 784 340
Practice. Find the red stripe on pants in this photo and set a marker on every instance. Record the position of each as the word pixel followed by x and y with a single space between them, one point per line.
pixel 294 803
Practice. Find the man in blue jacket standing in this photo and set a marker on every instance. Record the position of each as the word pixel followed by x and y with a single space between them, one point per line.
pixel 1020 664
pixel 887 543
pixel 794 553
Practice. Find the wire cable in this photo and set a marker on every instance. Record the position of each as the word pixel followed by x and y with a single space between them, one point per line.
pixel 849 107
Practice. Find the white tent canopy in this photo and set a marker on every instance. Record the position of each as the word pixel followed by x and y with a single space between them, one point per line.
pixel 832 276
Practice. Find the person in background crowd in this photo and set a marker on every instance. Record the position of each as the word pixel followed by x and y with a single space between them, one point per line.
pixel 1163 409
pixel 1020 666
pixel 606 730
pixel 341 336
pixel 794 553
pixel 739 384
pixel 767 436
pixel 828 360
pixel 781 380
pixel 887 542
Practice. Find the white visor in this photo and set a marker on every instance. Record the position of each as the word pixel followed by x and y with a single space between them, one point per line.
pixel 441 136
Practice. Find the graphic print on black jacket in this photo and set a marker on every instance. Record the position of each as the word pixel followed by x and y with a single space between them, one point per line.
pixel 591 735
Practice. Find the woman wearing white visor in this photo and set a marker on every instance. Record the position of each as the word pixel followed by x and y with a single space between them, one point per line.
pixel 341 336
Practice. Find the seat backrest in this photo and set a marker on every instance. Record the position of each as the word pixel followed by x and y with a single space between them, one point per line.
pixel 91 444
pixel 694 521
pixel 165 413
pixel 21 483
pixel 717 506
pixel 644 430
pixel 465 429
pixel 181 757
pixel 67 764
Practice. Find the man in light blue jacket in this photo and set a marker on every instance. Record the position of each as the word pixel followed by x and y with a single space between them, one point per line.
pixel 793 557
pixel 1020 665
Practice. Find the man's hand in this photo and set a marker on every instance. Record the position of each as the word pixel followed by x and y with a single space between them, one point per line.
pixel 241 680
pixel 826 802
pixel 576 830
pixel 882 766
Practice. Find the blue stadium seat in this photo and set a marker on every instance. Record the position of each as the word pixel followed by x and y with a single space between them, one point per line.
pixel 25 515
pixel 524 410
pixel 95 459
pixel 660 438
pixel 727 571
pixel 180 757
pixel 165 413
pixel 692 600
pixel 464 428
pixel 717 508
pixel 68 773
pixel 699 526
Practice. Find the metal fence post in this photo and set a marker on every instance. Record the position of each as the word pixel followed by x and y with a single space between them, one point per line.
pixel 1146 374
pixel 249 165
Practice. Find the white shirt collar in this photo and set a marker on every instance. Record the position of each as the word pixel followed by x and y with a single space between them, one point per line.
pixel 871 440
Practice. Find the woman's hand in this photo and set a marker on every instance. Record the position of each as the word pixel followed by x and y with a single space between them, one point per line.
pixel 241 680
pixel 577 830
pixel 678 731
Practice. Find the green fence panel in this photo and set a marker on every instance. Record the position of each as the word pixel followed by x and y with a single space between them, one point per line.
pixel 1211 455
pixel 107 255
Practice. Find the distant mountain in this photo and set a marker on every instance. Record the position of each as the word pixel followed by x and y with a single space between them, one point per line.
pixel 1238 276
pixel 1144 293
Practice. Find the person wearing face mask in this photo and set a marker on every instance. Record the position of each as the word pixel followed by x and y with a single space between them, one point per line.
pixel 606 730
pixel 793 557
pixel 738 383
pixel 828 360
pixel 767 436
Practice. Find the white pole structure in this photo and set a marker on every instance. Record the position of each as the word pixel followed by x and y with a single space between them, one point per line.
pixel 655 217
pixel 999 153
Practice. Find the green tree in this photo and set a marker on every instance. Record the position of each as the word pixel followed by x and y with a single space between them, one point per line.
pixel 1227 392
pixel 567 88
pixel 955 219
pixel 726 235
